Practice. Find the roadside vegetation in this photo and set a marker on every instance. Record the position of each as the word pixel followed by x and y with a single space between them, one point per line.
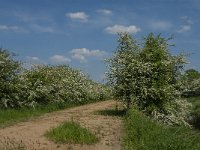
pixel 71 132
pixel 156 94
pixel 143 133
pixel 11 116
pixel 161 101
pixel 26 93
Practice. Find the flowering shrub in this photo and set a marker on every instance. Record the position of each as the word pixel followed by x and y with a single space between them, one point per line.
pixel 52 84
pixel 191 83
pixel 147 76
pixel 8 71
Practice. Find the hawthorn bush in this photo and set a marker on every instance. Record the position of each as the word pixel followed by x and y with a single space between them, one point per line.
pixel 56 84
pixel 147 75
pixel 191 83
pixel 45 84
pixel 9 69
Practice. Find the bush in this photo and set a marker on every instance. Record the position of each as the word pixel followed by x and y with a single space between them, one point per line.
pixel 45 84
pixel 147 76
pixel 191 83
pixel 9 68
pixel 57 84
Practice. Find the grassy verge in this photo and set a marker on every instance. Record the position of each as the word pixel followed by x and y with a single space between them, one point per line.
pixel 71 132
pixel 141 133
pixel 11 116
pixel 195 111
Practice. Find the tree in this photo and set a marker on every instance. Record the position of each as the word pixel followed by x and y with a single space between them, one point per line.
pixel 121 75
pixel 192 74
pixel 147 76
pixel 8 68
pixel 191 83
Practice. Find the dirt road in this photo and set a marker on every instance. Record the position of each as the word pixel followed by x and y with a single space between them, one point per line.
pixel 31 133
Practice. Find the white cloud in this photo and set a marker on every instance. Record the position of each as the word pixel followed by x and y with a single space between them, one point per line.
pixel 82 53
pixel 33 58
pixel 33 18
pixel 184 28
pixel 160 25
pixel 39 28
pixel 187 19
pixel 105 11
pixel 79 57
pixel 6 27
pixel 59 59
pixel 80 16
pixel 119 28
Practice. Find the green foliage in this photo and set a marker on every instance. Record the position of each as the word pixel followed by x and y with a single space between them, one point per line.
pixel 9 69
pixel 43 85
pixel 143 133
pixel 71 132
pixel 191 83
pixel 192 74
pixel 195 111
pixel 147 76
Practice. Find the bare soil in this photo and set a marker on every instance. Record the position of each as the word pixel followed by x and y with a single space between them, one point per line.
pixel 31 133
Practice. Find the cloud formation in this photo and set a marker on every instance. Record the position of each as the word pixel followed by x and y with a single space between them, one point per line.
pixel 184 28
pixel 80 16
pixel 81 53
pixel 12 28
pixel 33 58
pixel 59 59
pixel 7 27
pixel 39 28
pixel 105 11
pixel 119 28
pixel 160 25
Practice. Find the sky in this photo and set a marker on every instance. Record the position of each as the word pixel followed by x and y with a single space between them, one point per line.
pixel 83 33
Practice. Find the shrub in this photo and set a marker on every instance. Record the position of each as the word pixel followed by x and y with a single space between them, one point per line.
pixel 56 84
pixel 147 76
pixel 9 69
pixel 191 83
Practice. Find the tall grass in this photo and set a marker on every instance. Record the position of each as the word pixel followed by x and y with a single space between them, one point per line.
pixel 195 111
pixel 143 133
pixel 11 116
pixel 71 132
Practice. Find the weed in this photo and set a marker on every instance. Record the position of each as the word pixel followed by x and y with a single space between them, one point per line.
pixel 71 132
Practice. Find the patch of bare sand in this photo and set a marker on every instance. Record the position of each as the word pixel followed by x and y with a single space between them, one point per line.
pixel 31 133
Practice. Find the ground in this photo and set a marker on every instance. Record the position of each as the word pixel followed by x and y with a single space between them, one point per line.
pixel 31 133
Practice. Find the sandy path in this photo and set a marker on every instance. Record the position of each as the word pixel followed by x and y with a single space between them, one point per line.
pixel 31 133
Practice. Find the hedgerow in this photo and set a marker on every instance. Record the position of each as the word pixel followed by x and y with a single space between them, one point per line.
pixel 45 84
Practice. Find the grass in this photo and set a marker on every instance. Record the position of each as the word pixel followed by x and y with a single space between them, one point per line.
pixel 195 111
pixel 71 132
pixel 142 133
pixel 10 116
pixel 111 112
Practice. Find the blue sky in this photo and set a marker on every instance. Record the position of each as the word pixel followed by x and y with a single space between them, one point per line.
pixel 82 33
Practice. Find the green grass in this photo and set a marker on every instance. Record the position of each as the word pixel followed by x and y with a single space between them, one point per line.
pixel 11 116
pixel 71 132
pixel 111 112
pixel 195 111
pixel 142 133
